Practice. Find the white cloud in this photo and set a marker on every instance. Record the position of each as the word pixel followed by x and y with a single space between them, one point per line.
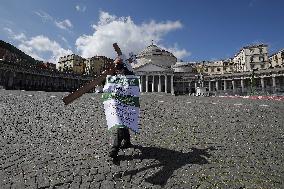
pixel 8 30
pixel 20 37
pixel 106 18
pixel 65 24
pixel 131 37
pixel 41 44
pixel 179 53
pixel 80 8
pixel 38 46
pixel 44 16
pixel 66 43
pixel 30 51
pixel 17 37
pixel 64 39
pixel 161 28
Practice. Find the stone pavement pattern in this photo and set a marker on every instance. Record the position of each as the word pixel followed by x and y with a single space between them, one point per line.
pixel 185 142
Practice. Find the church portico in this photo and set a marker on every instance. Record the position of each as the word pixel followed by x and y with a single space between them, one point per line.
pixel 155 82
pixel 154 69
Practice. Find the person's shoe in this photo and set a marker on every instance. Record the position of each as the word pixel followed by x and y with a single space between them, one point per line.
pixel 126 145
pixel 116 161
pixel 113 154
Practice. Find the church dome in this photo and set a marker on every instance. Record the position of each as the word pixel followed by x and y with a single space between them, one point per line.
pixel 155 55
pixel 153 50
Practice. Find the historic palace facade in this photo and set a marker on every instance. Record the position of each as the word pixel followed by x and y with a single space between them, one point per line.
pixel 16 76
pixel 249 71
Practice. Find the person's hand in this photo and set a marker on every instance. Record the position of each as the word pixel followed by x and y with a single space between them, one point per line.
pixel 104 72
pixel 118 60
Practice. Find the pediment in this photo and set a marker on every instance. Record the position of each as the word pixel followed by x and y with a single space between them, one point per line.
pixel 150 68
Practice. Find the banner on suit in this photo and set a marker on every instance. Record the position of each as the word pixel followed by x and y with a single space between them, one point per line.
pixel 121 101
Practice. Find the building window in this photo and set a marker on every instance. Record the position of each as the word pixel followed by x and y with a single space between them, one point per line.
pixel 261 59
pixel 260 50
pixel 218 69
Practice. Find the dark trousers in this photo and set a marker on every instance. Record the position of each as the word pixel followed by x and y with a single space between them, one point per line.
pixel 119 134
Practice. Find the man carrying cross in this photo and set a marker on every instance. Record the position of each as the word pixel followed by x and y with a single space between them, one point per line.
pixel 121 103
pixel 120 99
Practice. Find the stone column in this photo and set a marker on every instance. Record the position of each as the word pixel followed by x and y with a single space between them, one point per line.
pixel 195 85
pixel 147 83
pixel 273 83
pixel 166 84
pixel 225 85
pixel 172 85
pixel 217 85
pixel 280 79
pixel 62 81
pixel 73 85
pixel 242 85
pixel 153 84
pixel 159 86
pixel 234 87
pixel 210 86
pixel 1 78
pixel 262 84
pixel 11 80
pixel 140 83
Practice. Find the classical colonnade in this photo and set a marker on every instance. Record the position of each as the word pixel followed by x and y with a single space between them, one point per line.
pixel 28 79
pixel 12 80
pixel 157 83
pixel 267 83
pixel 171 83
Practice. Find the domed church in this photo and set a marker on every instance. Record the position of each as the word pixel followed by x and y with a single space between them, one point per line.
pixel 154 68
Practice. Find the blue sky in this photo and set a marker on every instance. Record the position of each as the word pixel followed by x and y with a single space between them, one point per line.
pixel 193 30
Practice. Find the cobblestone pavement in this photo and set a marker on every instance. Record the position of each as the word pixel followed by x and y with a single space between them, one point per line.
pixel 185 142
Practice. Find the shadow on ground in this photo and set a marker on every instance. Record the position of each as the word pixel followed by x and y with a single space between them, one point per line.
pixel 169 160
